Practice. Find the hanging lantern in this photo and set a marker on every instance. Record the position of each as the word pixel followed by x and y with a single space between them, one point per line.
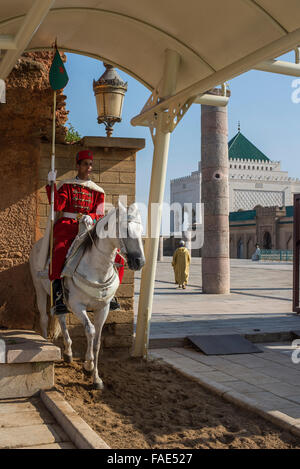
pixel 109 92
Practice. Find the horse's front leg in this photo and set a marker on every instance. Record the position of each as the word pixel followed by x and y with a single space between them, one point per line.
pixel 68 356
pixel 100 316
pixel 80 311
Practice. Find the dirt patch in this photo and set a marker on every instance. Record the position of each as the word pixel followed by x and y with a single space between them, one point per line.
pixel 151 405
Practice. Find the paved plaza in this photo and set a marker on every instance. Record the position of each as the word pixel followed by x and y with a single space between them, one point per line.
pixel 260 301
pixel 267 383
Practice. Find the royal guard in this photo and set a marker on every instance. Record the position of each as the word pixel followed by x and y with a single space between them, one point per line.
pixel 77 199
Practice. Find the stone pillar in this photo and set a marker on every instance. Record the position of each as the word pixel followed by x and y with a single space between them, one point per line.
pixel 215 196
pixel 26 121
pixel 160 253
pixel 114 170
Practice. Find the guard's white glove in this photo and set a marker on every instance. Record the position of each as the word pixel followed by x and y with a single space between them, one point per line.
pixel 87 221
pixel 52 176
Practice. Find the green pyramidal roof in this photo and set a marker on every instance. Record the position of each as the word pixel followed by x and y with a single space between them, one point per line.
pixel 240 147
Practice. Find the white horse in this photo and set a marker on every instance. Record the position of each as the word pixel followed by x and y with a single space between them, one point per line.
pixel 95 280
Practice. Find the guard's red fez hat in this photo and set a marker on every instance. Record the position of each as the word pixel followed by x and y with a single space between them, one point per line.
pixel 84 155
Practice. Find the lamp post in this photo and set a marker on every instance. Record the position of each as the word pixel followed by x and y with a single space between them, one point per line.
pixel 109 92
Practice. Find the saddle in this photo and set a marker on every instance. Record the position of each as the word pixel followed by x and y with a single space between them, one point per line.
pixel 72 260
pixel 97 291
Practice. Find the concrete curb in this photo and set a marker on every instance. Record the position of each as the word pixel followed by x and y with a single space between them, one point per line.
pixel 275 416
pixel 79 432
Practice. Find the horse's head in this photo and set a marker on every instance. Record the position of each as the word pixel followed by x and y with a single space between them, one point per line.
pixel 130 236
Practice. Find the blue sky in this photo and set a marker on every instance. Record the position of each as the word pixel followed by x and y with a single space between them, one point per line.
pixel 261 101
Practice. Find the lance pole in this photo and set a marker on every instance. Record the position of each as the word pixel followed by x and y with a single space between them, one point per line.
pixel 52 187
pixel 58 79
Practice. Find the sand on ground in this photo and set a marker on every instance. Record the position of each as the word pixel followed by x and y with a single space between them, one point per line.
pixel 151 405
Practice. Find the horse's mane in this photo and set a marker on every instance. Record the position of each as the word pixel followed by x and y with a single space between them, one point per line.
pixel 89 238
pixel 91 235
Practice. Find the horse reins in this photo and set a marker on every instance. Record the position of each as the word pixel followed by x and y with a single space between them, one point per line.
pixel 123 245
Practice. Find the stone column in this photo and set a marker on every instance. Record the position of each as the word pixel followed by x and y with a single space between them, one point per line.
pixel 215 196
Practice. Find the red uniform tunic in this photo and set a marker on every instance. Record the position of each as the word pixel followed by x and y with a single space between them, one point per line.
pixel 73 198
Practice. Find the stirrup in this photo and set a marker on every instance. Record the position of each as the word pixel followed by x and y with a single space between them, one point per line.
pixel 59 306
pixel 114 304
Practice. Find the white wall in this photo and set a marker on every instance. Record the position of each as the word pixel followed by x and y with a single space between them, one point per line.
pixel 251 183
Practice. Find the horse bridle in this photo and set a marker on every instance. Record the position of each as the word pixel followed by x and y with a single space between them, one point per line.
pixel 123 248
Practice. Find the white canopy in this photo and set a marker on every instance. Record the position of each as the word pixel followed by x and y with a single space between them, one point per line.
pixel 210 35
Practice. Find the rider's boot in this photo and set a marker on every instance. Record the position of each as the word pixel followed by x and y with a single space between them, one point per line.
pixel 59 306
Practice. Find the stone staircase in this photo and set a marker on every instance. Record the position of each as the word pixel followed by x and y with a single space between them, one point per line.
pixel 26 367
pixel 25 423
pixel 26 363
pixel 32 414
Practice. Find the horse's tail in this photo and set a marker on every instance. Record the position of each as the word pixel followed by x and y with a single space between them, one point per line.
pixel 54 328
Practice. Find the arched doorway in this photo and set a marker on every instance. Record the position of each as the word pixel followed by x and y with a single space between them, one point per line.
pixel 267 240
pixel 240 249
pixel 250 247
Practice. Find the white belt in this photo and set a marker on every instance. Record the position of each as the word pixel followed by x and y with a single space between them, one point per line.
pixel 72 215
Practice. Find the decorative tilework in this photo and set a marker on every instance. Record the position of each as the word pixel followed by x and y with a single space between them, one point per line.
pixel 247 200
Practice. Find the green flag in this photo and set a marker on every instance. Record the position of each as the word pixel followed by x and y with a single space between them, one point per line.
pixel 58 76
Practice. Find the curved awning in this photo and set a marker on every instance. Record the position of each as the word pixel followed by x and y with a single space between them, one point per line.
pixel 210 36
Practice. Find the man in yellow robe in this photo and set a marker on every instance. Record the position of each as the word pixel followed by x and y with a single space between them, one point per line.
pixel 181 265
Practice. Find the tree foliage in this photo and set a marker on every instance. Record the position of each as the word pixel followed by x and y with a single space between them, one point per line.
pixel 72 135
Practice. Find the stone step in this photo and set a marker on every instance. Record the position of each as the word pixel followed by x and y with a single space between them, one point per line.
pixel 22 346
pixel 44 422
pixel 26 363
pixel 31 435
pixel 24 404
pixel 22 419
pixel 52 446
pixel 27 423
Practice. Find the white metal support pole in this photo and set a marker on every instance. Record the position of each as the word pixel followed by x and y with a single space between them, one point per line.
pixel 156 194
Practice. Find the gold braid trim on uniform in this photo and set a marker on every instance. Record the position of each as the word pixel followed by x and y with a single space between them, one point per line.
pixel 88 184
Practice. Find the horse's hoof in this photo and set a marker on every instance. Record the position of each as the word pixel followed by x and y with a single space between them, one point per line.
pixel 68 358
pixel 88 366
pixel 98 386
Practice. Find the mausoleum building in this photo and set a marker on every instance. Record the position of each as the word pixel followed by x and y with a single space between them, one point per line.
pixel 254 179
